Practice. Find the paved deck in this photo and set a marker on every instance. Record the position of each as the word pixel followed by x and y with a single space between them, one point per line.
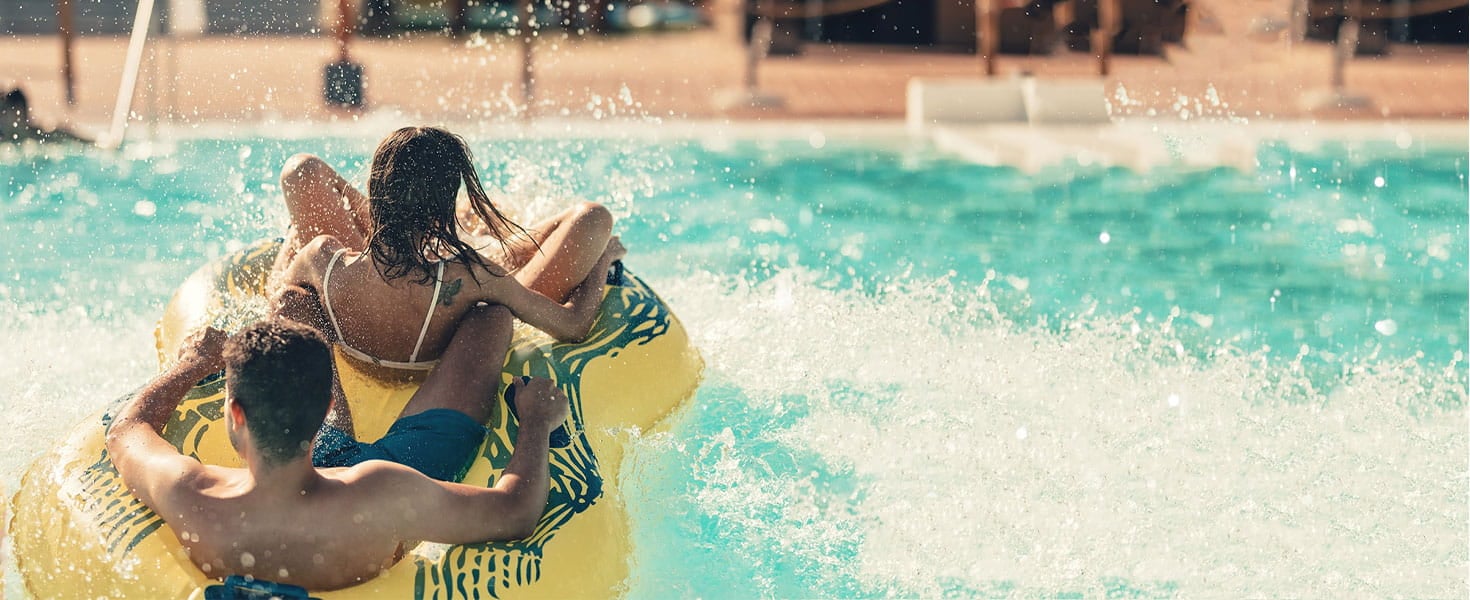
pixel 432 78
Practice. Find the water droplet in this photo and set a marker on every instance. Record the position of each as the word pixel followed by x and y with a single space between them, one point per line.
pixel 247 560
pixel 1104 237
pixel 1378 181
pixel 1386 327
pixel 144 208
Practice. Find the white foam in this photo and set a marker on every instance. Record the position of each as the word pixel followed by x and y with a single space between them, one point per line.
pixel 60 367
pixel 1229 476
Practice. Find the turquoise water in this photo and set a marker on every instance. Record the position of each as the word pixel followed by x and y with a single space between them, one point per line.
pixel 925 377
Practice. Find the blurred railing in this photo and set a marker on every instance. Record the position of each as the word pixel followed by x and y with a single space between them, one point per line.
pixel 1355 13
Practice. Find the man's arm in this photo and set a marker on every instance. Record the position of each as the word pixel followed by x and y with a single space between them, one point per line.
pixel 147 463
pixel 465 514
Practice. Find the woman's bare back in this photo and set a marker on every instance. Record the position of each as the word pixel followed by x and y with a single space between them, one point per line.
pixel 389 319
pixel 536 276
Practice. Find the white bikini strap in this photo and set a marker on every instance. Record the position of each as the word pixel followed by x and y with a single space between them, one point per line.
pixel 433 301
pixel 327 296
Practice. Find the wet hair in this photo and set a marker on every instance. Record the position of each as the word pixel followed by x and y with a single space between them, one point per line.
pixel 16 98
pixel 412 186
pixel 280 374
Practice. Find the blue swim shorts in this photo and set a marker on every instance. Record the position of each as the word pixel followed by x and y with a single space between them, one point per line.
pixel 438 442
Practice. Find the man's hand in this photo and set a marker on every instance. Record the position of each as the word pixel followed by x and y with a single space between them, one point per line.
pixel 203 351
pixel 540 403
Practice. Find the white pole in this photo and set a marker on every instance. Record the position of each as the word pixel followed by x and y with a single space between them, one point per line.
pixel 130 75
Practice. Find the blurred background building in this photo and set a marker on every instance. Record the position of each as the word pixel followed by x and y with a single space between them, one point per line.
pixel 1027 27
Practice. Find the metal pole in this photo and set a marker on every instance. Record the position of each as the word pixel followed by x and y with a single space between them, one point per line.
pixel 172 73
pixel 1297 17
pixel 528 90
pixel 1400 25
pixel 67 27
pixel 1102 39
pixel 458 17
pixel 344 28
pixel 342 80
pixel 1347 45
pixel 986 32
pixel 761 34
pixel 814 11
pixel 150 104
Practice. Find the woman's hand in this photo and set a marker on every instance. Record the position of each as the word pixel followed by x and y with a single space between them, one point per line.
pixel 615 250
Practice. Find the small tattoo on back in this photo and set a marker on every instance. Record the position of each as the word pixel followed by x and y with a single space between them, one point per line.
pixel 448 291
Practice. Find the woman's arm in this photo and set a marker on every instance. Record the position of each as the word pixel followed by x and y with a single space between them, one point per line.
pixel 298 297
pixel 554 256
pixel 568 322
pixel 303 305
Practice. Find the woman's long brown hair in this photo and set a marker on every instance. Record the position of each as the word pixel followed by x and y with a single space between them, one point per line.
pixel 412 187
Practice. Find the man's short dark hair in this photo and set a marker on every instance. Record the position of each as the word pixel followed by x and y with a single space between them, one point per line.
pixel 280 373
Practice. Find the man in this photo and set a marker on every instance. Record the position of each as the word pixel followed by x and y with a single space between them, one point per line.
pixel 16 125
pixel 280 518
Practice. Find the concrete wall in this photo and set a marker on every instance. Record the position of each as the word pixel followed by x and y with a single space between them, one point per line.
pixel 262 16
pixel 92 17
pixel 115 17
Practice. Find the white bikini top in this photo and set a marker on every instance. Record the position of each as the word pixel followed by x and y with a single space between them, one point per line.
pixel 413 363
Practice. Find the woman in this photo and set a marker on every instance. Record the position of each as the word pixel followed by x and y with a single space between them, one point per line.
pixel 393 273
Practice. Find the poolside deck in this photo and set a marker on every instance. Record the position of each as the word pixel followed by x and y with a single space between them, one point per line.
pixel 432 78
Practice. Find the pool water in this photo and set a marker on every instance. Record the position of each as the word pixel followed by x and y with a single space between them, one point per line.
pixel 925 377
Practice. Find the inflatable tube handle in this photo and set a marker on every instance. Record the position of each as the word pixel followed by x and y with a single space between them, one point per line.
pixel 615 274
pixel 236 587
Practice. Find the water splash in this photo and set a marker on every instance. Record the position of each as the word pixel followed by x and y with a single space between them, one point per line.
pixel 851 443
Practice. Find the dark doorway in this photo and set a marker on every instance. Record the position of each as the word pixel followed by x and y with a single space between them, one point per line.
pixel 900 22
pixel 1447 27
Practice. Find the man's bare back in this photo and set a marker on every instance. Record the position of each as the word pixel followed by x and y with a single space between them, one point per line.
pixel 282 520
pixel 333 533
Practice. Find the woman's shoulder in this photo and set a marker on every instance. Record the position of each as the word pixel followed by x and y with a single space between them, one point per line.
pixel 479 267
pixel 313 259
pixel 325 245
pixel 484 280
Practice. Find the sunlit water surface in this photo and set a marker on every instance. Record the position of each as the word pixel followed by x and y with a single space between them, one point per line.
pixel 925 377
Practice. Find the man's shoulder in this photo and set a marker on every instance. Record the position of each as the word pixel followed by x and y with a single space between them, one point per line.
pixel 193 485
pixel 372 473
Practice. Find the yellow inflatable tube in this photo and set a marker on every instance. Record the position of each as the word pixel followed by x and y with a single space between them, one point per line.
pixel 78 533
